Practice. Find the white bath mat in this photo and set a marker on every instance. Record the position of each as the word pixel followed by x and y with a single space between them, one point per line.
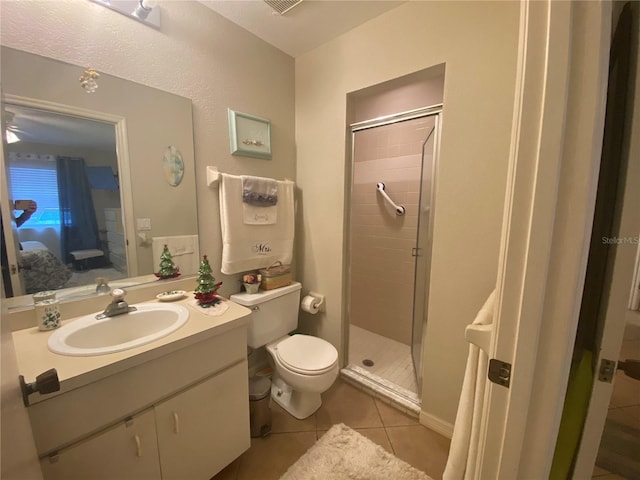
pixel 344 454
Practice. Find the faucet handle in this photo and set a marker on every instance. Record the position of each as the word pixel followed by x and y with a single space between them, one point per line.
pixel 118 294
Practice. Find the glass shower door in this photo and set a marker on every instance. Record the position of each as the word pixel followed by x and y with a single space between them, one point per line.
pixel 389 249
pixel 422 251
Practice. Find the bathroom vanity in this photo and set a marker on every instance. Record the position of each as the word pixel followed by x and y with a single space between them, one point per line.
pixel 175 408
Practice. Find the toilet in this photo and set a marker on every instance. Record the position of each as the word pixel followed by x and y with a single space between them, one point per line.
pixel 305 366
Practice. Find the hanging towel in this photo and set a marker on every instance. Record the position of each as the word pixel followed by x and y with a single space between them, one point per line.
pixel 259 200
pixel 463 452
pixel 184 251
pixel 251 246
pixel 259 191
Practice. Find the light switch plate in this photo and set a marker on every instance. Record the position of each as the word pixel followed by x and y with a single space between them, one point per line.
pixel 143 223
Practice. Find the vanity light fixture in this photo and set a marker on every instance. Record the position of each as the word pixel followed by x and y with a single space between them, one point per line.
pixel 88 80
pixel 144 11
pixel 144 8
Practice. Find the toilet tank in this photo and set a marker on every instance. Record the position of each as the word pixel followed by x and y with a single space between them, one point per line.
pixel 274 313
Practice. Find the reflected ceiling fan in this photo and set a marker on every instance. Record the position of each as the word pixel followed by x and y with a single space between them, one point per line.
pixel 13 133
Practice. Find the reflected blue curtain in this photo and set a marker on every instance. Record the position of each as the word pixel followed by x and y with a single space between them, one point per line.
pixel 78 223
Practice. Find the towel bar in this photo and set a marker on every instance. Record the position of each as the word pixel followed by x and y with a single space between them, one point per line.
pixel 213 175
pixel 400 210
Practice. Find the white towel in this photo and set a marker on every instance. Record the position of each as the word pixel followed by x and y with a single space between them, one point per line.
pixel 259 191
pixel 463 452
pixel 252 215
pixel 184 250
pixel 248 247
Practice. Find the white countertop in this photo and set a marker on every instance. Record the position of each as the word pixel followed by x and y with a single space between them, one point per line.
pixel 34 356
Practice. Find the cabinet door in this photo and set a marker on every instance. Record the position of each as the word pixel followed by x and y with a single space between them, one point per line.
pixel 203 429
pixel 127 451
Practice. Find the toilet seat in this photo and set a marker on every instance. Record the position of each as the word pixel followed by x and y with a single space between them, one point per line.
pixel 307 355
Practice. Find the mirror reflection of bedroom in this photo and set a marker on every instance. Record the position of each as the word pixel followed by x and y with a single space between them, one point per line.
pixel 68 166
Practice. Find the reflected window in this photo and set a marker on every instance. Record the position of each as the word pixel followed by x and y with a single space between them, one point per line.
pixel 37 180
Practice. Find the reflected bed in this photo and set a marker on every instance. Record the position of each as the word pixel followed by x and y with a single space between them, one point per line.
pixel 41 269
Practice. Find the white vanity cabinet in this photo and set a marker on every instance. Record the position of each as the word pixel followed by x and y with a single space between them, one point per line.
pixel 198 431
pixel 182 413
pixel 126 451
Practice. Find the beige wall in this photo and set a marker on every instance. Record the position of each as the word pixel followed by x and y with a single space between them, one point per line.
pixel 424 88
pixel 477 41
pixel 196 54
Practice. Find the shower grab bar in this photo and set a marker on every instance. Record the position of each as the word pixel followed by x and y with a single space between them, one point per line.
pixel 398 208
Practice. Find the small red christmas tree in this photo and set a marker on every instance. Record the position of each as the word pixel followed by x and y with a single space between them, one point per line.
pixel 206 290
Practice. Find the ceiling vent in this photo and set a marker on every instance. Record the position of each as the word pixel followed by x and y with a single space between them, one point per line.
pixel 282 6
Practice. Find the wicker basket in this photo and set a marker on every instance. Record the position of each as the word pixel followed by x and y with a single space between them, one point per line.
pixel 275 276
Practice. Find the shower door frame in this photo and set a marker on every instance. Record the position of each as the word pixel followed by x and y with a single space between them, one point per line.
pixel 417 324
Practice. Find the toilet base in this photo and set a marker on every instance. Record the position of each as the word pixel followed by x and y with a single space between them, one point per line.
pixel 299 404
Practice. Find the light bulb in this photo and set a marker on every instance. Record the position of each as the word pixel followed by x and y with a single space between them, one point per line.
pixel 144 8
pixel 11 137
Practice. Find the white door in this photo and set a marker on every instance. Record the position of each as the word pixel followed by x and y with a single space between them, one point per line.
pixel 556 148
pixel 17 446
pixel 8 224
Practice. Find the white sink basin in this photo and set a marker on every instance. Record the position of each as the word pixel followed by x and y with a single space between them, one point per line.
pixel 87 336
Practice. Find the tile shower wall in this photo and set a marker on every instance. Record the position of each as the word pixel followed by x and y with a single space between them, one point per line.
pixel 382 267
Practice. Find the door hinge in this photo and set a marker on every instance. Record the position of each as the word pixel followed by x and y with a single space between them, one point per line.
pixel 500 372
pixel 607 370
pixel 13 269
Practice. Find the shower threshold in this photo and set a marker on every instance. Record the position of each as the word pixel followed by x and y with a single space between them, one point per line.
pixel 386 390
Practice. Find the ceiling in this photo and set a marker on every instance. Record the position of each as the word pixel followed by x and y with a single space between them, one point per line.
pixel 39 126
pixel 304 27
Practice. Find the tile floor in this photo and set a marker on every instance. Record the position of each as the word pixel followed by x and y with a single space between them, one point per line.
pixel 392 360
pixel 624 407
pixel 268 458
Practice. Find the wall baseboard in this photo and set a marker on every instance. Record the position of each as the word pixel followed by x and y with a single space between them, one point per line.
pixel 436 424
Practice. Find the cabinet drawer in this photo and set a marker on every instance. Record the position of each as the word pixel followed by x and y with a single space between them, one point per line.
pixel 114 226
pixel 125 451
pixel 116 248
pixel 113 214
pixel 115 238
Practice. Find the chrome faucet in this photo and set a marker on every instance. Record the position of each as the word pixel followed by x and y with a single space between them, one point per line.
pixel 117 306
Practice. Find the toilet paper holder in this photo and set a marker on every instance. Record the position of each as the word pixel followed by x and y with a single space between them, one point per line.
pixel 318 300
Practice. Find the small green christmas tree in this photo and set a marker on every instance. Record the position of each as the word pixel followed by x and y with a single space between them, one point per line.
pixel 207 287
pixel 168 269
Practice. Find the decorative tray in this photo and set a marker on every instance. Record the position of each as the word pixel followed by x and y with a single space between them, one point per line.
pixel 171 295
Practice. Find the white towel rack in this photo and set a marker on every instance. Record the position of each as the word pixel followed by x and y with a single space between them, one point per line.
pixel 400 210
pixel 480 331
pixel 213 176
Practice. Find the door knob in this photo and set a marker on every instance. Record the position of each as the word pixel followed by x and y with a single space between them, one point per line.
pixel 46 382
pixel 631 368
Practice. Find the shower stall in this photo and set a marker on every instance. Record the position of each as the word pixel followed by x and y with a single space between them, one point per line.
pixel 393 162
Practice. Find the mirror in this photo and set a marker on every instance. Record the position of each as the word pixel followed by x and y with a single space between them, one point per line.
pixel 131 126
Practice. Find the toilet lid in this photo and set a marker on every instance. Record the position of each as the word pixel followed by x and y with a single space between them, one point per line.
pixel 307 355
